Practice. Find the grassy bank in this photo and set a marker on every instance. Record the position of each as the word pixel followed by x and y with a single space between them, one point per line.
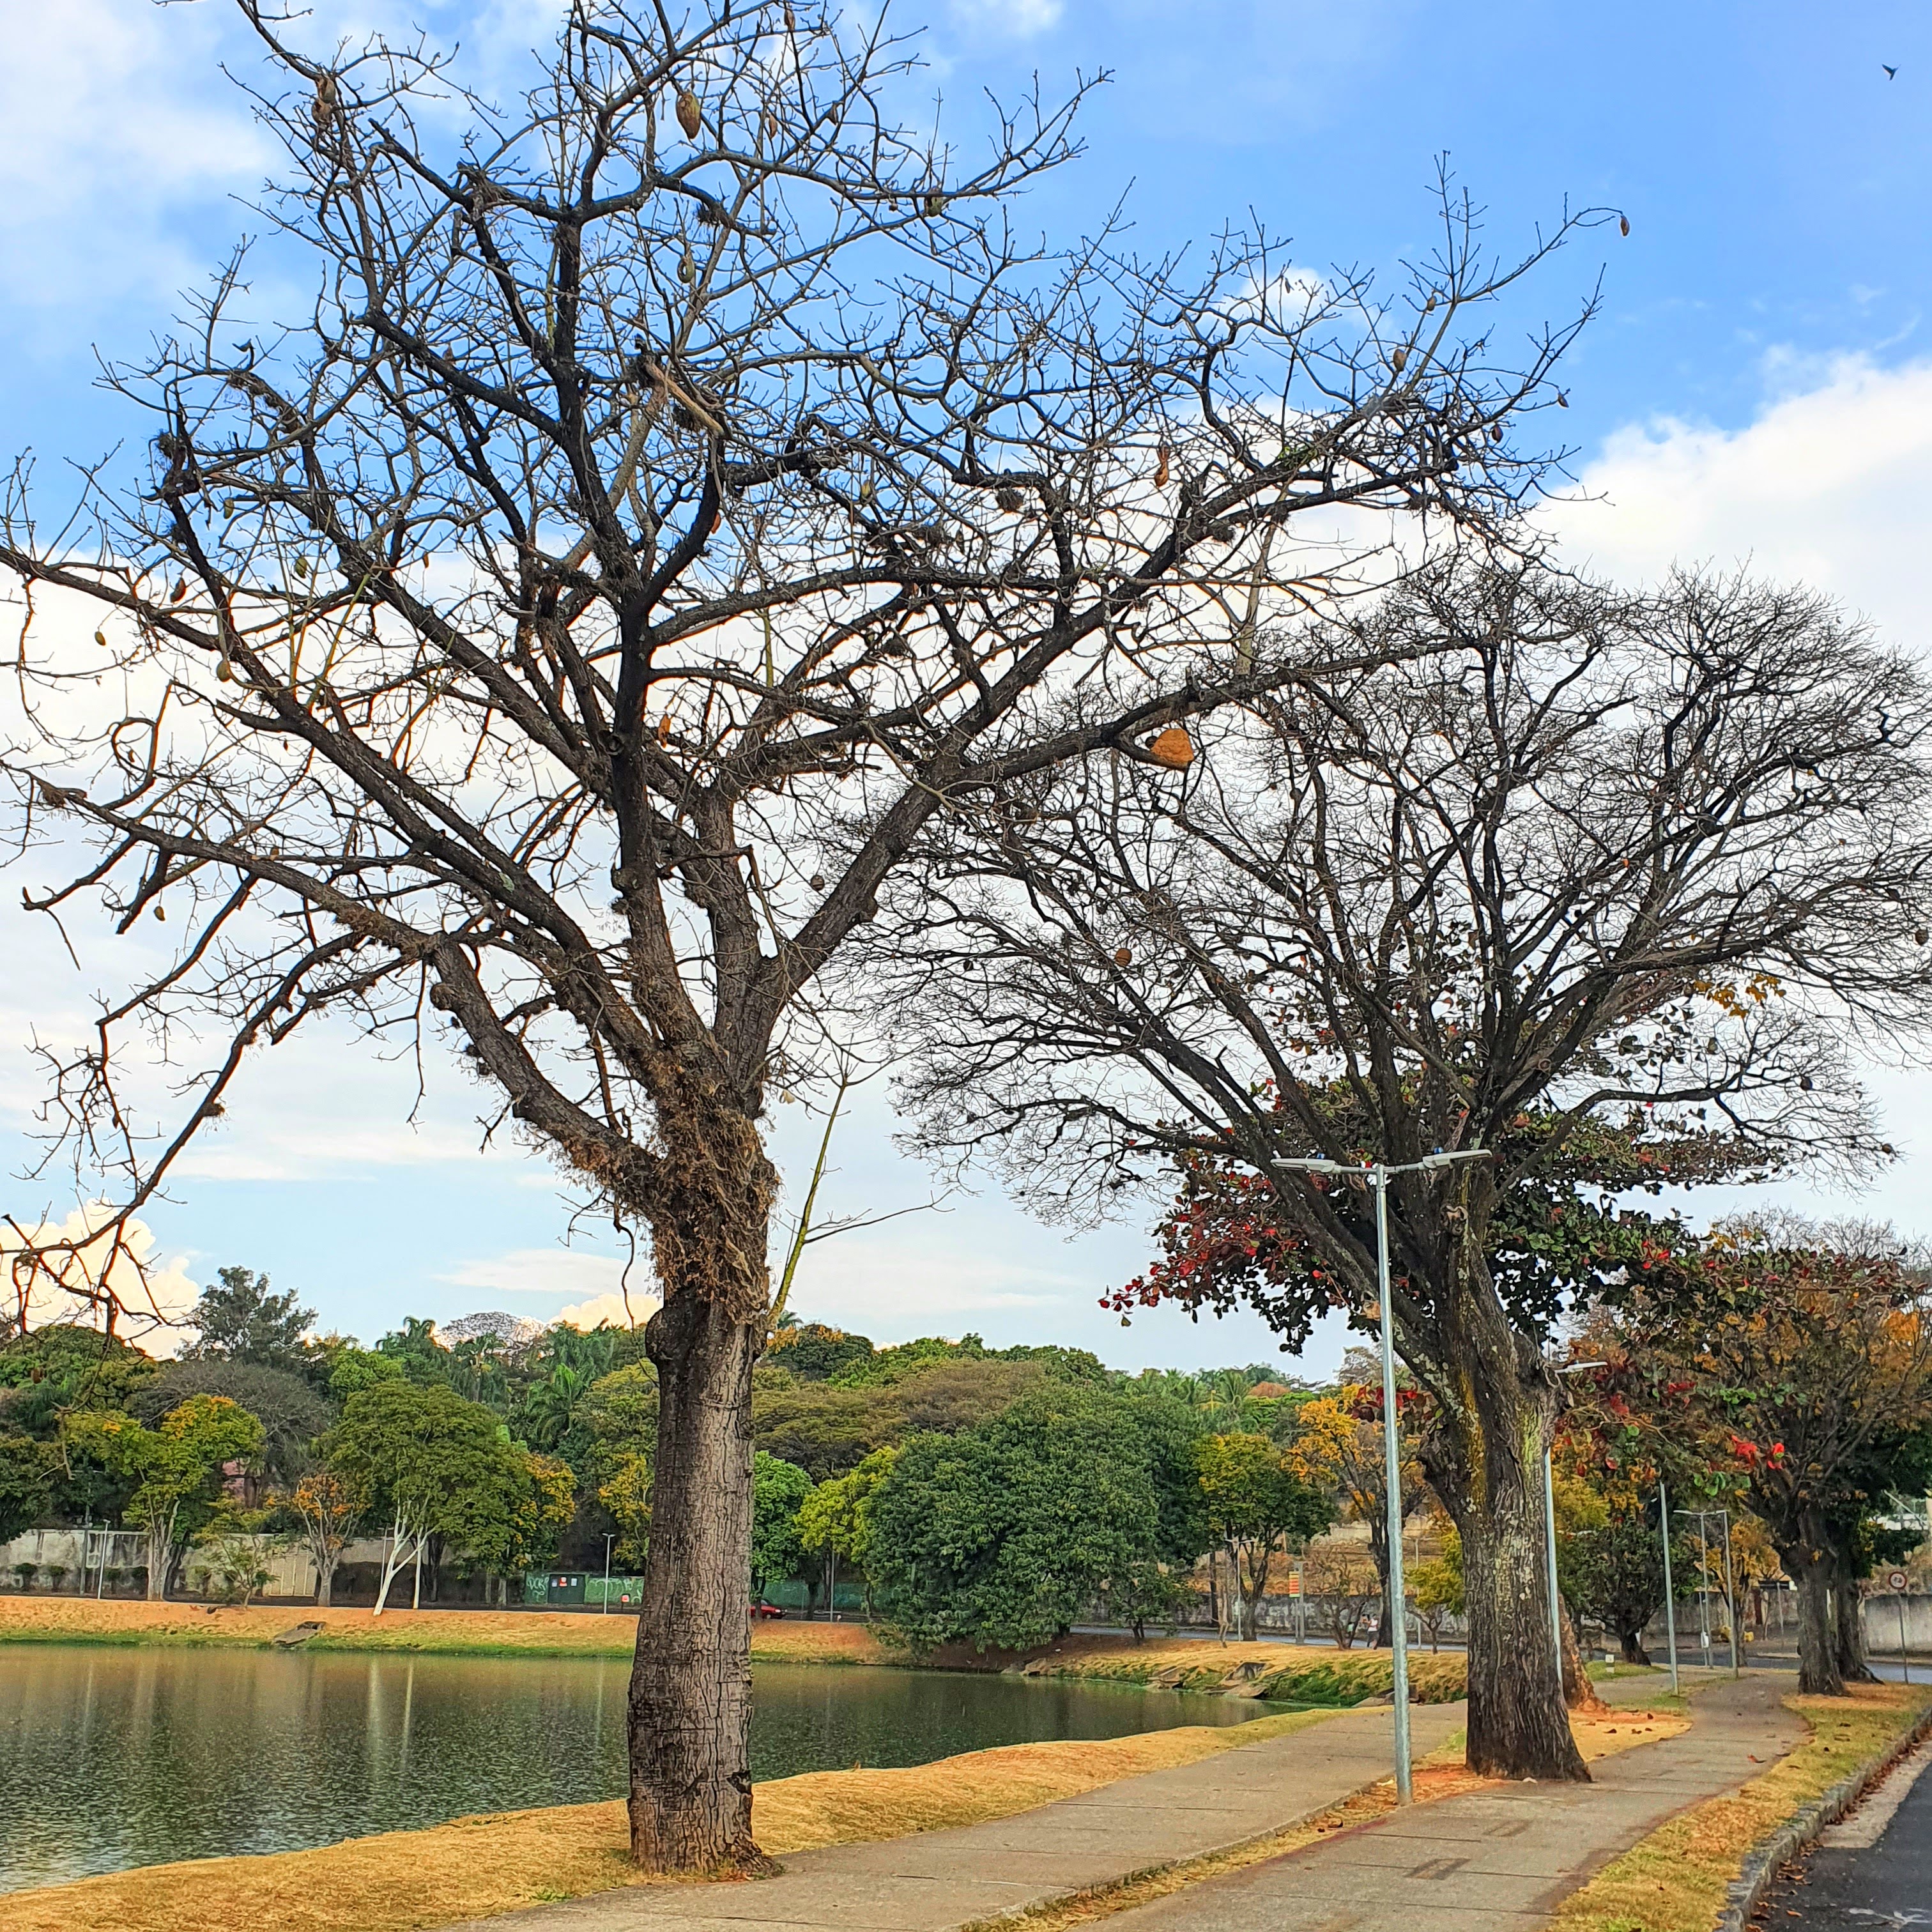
pixel 1285 1672
pixel 474 1866
pixel 1282 1672
pixel 1676 1879
pixel 442 1632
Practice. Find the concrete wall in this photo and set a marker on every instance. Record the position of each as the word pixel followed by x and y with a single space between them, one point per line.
pixel 291 1573
pixel 1882 1624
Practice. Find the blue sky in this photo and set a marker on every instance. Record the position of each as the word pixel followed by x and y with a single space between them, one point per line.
pixel 1757 385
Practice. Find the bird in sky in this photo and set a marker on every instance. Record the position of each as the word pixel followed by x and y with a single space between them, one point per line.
pixel 1891 73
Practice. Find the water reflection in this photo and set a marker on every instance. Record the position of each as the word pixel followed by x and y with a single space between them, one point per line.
pixel 114 1758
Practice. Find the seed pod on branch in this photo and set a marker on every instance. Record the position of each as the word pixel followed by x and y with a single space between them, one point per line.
pixel 690 115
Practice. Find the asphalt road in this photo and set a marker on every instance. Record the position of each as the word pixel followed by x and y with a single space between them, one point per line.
pixel 1873 1872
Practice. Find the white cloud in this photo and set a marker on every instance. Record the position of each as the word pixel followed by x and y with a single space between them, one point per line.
pixel 1021 19
pixel 113 120
pixel 1826 486
pixel 593 1277
pixel 152 1290
pixel 609 1308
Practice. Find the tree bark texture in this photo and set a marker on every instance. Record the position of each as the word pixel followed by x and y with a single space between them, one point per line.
pixel 1848 1629
pixel 1633 1647
pixel 1484 1459
pixel 691 1683
pixel 1578 1693
pixel 1818 1673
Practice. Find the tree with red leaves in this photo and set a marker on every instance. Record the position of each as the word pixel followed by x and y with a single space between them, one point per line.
pixel 1795 1363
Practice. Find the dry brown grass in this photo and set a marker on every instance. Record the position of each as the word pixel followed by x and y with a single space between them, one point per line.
pixel 1675 1881
pixel 474 1866
pixel 476 1633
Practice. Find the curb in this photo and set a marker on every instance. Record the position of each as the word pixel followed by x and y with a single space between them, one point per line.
pixel 1762 1862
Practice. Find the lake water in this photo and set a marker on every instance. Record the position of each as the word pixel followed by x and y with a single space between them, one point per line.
pixel 113 1758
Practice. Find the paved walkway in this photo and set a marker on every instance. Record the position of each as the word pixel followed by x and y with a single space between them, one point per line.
pixel 1497 1861
pixel 933 1881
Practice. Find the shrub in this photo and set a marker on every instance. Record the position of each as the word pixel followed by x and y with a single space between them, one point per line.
pixel 24 1574
pixel 56 1575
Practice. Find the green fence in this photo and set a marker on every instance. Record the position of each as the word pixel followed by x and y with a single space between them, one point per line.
pixel 573 1589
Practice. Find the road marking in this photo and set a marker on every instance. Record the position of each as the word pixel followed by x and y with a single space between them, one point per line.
pixel 1866 1826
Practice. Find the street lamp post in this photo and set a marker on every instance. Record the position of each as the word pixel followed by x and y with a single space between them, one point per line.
pixel 1376 1175
pixel 1670 1600
pixel 1549 1535
pixel 609 1537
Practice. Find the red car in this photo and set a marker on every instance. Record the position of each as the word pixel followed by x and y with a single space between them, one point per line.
pixel 766 1610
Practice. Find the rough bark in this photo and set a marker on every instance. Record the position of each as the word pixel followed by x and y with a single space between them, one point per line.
pixel 1633 1651
pixel 1578 1693
pixel 1484 1459
pixel 1848 1629
pixel 1818 1673
pixel 691 1683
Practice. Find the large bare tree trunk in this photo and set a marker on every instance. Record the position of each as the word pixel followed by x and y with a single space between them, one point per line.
pixel 1848 1629
pixel 691 1683
pixel 1818 1673
pixel 1484 1459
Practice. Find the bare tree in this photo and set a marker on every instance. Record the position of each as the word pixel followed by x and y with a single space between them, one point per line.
pixel 685 485
pixel 1605 885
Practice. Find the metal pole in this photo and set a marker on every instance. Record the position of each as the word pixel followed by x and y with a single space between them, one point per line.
pixel 1405 1783
pixel 1730 1593
pixel 1703 1588
pixel 1550 1550
pixel 1669 1602
pixel 609 1537
pixel 1904 1661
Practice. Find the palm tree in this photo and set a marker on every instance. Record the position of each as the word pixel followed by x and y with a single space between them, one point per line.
pixel 551 1406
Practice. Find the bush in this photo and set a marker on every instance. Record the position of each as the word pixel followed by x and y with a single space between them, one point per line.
pixel 24 1574
pixel 56 1575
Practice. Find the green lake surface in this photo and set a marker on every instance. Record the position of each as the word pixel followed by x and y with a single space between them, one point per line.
pixel 113 1758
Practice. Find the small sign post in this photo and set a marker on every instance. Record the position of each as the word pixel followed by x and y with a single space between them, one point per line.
pixel 1897 1580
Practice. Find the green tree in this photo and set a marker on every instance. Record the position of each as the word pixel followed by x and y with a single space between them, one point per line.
pixel 176 1468
pixel 26 1483
pixel 837 1516
pixel 1257 1505
pixel 618 1417
pixel 625 1494
pixel 550 1405
pixel 812 1351
pixel 432 1464
pixel 239 1321
pixel 355 1370
pixel 778 1490
pixel 1002 1535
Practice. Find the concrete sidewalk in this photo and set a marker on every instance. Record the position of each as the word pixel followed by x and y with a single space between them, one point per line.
pixel 933 1881
pixel 1495 1861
